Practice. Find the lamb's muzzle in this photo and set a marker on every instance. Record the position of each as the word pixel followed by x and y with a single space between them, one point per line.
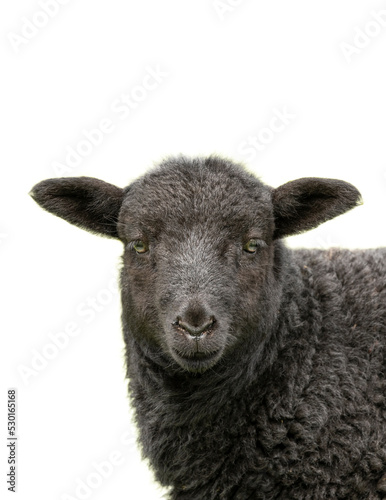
pixel 193 348
pixel 197 331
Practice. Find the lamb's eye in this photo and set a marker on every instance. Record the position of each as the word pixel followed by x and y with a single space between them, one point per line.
pixel 252 245
pixel 140 246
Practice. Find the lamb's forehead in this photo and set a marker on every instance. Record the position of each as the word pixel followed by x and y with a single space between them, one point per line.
pixel 210 189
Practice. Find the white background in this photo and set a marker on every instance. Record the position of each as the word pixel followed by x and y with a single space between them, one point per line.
pixel 225 72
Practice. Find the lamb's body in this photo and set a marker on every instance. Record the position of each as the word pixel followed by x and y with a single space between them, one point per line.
pixel 309 424
pixel 256 372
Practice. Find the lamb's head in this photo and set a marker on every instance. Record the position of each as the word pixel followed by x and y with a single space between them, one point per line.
pixel 201 267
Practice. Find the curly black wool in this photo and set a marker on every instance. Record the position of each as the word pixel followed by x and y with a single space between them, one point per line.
pixel 255 371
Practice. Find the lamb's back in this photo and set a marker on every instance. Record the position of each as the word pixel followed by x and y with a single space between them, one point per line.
pixel 350 289
pixel 345 397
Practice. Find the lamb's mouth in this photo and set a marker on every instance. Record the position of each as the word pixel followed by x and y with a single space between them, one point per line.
pixel 198 361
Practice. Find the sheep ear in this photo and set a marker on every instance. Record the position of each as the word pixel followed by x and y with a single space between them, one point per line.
pixel 305 203
pixel 86 202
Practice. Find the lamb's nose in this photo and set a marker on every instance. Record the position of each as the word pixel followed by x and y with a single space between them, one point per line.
pixel 196 331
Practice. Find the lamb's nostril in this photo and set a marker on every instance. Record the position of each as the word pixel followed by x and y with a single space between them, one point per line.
pixel 196 331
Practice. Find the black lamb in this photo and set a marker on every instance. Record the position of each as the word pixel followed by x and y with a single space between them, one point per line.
pixel 255 371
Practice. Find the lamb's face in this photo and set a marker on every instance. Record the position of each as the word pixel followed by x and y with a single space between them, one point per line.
pixel 198 250
pixel 199 274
